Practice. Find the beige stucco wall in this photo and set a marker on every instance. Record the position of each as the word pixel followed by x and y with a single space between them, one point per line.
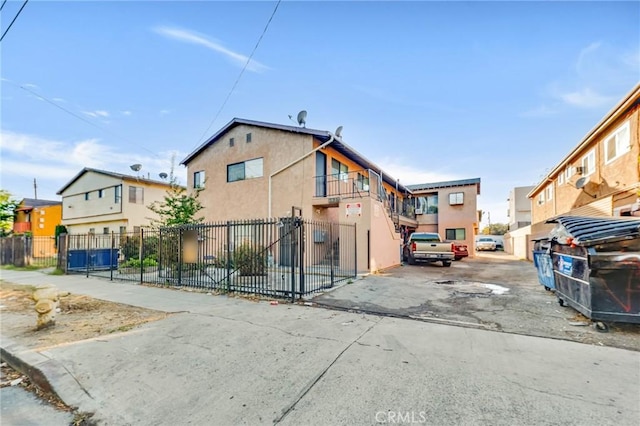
pixel 249 198
pixel 518 243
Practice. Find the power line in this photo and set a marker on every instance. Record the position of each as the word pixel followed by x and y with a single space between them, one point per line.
pixel 241 73
pixel 80 117
pixel 14 19
pixel 2 7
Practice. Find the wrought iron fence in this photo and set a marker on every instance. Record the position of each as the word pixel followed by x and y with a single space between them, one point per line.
pixel 286 257
pixel 26 250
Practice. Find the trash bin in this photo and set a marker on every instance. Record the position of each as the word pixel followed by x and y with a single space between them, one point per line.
pixel 596 267
pixel 98 259
pixel 542 262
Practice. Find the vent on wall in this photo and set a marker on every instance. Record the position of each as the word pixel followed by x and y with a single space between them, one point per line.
pixel 579 170
pixel 418 211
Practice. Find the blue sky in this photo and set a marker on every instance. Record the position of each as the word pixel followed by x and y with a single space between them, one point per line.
pixel 428 91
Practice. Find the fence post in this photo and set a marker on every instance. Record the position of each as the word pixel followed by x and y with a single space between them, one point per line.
pixel 113 245
pixel 292 249
pixel 301 255
pixel 88 240
pixel 228 256
pixel 141 254
pixel 180 256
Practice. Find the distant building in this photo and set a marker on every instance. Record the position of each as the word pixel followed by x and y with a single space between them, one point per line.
pixel 519 207
pixel 38 218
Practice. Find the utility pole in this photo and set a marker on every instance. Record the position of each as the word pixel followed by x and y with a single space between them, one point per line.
pixel 35 189
pixel 489 219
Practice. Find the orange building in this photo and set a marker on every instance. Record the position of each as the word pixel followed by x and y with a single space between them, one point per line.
pixel 39 218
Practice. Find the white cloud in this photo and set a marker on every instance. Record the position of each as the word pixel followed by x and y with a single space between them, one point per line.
pixel 586 98
pixel 410 175
pixel 97 113
pixel 127 113
pixel 202 40
pixel 58 100
pixel 584 53
pixel 164 112
pixel 30 86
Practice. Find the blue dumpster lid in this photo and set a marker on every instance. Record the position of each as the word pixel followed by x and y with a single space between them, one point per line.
pixel 588 231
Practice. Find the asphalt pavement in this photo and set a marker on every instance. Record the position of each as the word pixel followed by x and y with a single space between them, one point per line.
pixel 224 360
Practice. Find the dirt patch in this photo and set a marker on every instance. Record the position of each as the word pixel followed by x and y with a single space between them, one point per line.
pixel 80 317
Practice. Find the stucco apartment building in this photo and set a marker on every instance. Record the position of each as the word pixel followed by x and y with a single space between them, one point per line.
pixel 251 169
pixel 38 218
pixel 99 202
pixel 599 177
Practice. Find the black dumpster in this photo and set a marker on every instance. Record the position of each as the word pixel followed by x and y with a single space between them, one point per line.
pixel 596 267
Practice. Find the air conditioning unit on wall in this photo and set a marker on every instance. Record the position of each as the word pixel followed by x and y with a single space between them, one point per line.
pixel 418 211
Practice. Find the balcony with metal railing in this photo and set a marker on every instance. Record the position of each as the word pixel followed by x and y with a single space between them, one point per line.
pixel 331 189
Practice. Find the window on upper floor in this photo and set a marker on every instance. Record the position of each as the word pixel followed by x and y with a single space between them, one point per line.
pixel 363 182
pixel 548 193
pixel 339 170
pixel 568 172
pixel 541 198
pixel 618 143
pixel 248 137
pixel 118 193
pixel 198 179
pixel 123 229
pixel 589 163
pixel 455 234
pixel 427 204
pixel 105 230
pixel 246 170
pixel 232 141
pixel 86 196
pixel 136 195
pixel 456 198
pixel 100 193
pixel 561 178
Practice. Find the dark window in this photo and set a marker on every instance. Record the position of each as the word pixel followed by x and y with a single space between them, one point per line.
pixel 86 196
pixel 198 179
pixel 232 141
pixel 248 137
pixel 245 170
pixel 455 234
pixel 123 229
pixel 100 191
pixel 105 230
pixel 118 191
pixel 339 170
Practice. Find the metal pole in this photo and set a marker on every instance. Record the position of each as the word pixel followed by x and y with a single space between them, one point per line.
pixel 292 249
pixel 113 244
pixel 180 256
pixel 228 256
pixel 355 249
pixel 331 253
pixel 141 255
pixel 301 255
pixel 87 251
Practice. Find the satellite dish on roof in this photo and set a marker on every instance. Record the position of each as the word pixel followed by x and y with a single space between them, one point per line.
pixel 163 175
pixel 580 183
pixel 302 118
pixel 339 131
pixel 136 167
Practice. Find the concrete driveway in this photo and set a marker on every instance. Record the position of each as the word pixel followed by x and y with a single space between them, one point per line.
pixel 493 291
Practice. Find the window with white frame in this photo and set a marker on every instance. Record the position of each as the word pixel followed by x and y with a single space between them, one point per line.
pixel 618 143
pixel 561 178
pixel 246 170
pixel 118 193
pixel 568 172
pixel 548 193
pixel 456 198
pixel 589 163
pixel 198 179
pixel 541 198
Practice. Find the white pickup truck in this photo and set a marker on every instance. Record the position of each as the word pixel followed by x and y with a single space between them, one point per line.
pixel 428 247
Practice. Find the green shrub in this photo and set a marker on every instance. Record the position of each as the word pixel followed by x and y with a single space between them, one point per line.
pixel 250 259
pixel 135 263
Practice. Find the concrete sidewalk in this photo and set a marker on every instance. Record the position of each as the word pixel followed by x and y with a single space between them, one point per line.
pixel 222 360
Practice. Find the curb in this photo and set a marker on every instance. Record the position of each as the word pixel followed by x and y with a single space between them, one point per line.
pixel 48 374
